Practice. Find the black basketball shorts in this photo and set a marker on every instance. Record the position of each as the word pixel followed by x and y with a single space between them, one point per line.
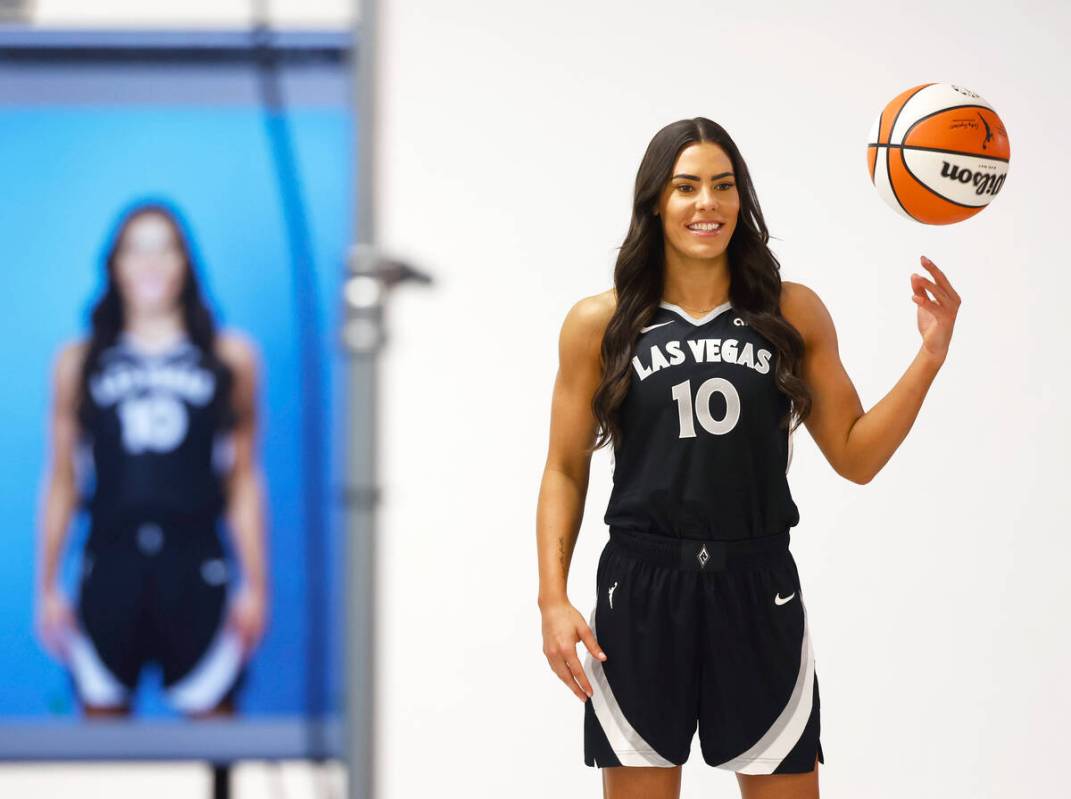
pixel 707 634
pixel 153 591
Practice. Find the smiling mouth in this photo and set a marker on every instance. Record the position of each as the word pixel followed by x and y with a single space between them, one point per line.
pixel 705 229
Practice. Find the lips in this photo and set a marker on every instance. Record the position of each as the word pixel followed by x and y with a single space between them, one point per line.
pixel 706 233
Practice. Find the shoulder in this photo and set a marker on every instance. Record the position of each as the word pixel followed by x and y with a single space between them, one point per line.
pixel 584 327
pixel 804 310
pixel 586 321
pixel 68 360
pixel 237 350
pixel 67 369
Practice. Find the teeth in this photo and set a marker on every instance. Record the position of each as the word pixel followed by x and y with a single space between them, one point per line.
pixel 704 226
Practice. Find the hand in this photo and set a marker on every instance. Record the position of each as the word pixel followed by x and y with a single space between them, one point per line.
pixel 248 617
pixel 563 629
pixel 935 319
pixel 54 621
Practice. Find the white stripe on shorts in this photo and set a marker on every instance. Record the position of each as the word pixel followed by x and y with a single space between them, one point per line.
pixel 629 746
pixel 767 753
pixel 96 685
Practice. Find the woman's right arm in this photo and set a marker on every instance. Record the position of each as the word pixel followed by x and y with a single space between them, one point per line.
pixel 564 487
pixel 59 500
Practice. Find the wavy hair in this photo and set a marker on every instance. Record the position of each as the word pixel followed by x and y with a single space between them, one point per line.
pixel 108 318
pixel 755 279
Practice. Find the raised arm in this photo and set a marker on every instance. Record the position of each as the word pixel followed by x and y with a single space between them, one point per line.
pixel 857 444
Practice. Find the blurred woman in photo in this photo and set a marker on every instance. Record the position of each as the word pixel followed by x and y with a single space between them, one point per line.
pixel 153 431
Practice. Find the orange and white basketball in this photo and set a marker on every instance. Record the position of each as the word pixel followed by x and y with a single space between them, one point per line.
pixel 938 153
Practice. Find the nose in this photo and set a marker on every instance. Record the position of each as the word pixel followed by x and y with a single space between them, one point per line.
pixel 707 197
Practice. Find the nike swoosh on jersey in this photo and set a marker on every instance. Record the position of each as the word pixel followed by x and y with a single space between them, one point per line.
pixel 780 600
pixel 652 327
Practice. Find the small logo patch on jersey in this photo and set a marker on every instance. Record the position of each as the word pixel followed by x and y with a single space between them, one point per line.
pixel 652 327
pixel 780 600
pixel 612 587
pixel 703 556
pixel 739 322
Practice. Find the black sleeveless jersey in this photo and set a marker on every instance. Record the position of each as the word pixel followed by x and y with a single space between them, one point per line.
pixel 153 445
pixel 702 454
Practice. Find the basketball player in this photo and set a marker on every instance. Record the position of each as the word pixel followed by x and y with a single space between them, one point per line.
pixel 691 366
pixel 153 430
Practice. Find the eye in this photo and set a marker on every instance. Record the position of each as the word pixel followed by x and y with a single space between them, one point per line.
pixel 684 186
pixel 730 185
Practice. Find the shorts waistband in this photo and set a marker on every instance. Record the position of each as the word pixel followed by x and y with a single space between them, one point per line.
pixel 149 532
pixel 698 555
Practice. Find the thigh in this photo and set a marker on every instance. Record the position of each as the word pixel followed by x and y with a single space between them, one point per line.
pixel 188 603
pixel 759 706
pixel 779 786
pixel 624 782
pixel 642 712
pixel 110 647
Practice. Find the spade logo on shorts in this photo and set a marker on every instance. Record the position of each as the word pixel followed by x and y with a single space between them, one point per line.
pixel 612 587
pixel 214 571
pixel 780 600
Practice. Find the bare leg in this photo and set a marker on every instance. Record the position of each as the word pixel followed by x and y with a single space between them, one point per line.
pixel 780 786
pixel 224 709
pixel 641 782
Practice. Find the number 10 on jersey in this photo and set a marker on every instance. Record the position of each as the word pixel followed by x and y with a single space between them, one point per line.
pixel 682 395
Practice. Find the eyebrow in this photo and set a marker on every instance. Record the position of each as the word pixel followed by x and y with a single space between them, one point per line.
pixel 696 177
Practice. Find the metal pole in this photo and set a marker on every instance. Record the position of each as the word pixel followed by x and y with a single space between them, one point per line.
pixel 361 336
pixel 366 289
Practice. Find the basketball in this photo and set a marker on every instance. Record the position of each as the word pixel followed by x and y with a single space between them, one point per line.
pixel 938 153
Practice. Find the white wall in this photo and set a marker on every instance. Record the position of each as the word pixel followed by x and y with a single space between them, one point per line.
pixel 510 135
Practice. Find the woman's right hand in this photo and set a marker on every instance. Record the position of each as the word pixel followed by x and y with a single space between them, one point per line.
pixel 563 629
pixel 54 621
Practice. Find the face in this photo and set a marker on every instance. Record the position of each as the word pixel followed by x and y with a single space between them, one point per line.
pixel 702 188
pixel 149 266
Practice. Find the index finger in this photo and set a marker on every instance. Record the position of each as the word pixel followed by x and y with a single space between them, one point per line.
pixel 939 276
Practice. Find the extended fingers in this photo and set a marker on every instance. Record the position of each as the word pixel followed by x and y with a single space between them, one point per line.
pixel 920 284
pixel 566 675
pixel 940 277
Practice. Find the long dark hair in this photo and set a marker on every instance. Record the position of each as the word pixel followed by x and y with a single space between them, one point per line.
pixel 107 317
pixel 755 279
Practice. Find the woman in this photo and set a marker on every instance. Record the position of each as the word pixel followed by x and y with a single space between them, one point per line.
pixel 693 366
pixel 154 415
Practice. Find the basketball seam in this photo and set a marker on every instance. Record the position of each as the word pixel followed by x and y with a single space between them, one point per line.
pixel 941 111
pixel 892 127
pixel 892 186
pixel 874 171
pixel 939 150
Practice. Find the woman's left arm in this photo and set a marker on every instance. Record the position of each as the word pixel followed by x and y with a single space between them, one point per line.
pixel 856 444
pixel 245 493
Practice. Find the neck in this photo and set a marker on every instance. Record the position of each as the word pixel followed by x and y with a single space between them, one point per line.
pixel 695 283
pixel 154 327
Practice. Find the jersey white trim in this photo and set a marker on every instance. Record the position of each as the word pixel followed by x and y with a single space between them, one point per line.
pixel 713 312
pixel 791 432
